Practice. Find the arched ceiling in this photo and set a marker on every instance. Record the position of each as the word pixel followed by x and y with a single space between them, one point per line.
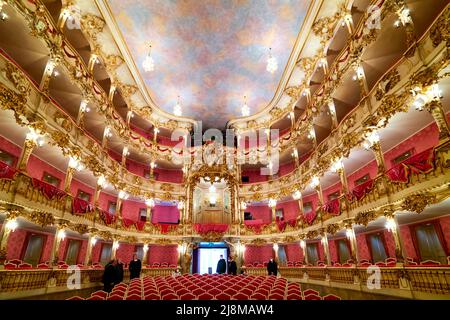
pixel 210 52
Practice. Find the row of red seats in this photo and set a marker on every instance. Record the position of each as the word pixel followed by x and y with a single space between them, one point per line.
pixel 196 287
pixel 17 264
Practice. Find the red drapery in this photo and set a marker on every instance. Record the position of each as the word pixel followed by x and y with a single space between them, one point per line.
pixel 107 217
pixel 81 206
pixel 165 227
pixel 127 222
pixel 360 191
pixel 140 225
pixel 332 207
pixel 420 163
pixel 49 191
pixel 310 216
pixel 6 172
pixel 255 225
pixel 281 224
pixel 203 228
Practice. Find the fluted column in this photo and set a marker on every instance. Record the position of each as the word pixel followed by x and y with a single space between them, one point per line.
pixel 351 236
pixel 59 236
pixel 68 179
pixel 379 157
pixel 9 225
pixel 92 240
pixel 326 248
pixel 393 226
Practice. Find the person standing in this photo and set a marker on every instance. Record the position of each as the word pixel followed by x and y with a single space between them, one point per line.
pixel 232 266
pixel 135 267
pixel 119 272
pixel 272 267
pixel 109 275
pixel 221 265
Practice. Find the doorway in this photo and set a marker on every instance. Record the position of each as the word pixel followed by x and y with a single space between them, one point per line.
pixel 208 256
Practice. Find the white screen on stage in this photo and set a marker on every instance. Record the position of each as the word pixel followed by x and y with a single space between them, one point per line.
pixel 208 258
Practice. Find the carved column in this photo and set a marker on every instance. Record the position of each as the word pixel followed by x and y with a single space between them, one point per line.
pixel 379 157
pixel 68 179
pixel 119 207
pixel 9 225
pixel 319 193
pixel 275 252
pixel 436 109
pixel 145 256
pixel 59 236
pixel 273 213
pixel 393 226
pixel 305 252
pixel 27 150
pixel 92 240
pixel 155 135
pixel 351 236
pixel 115 246
pixel 343 178
pixel 326 248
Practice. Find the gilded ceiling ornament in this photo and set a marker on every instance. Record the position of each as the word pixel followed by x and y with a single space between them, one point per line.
pixel 163 241
pixel 166 187
pixel 440 32
pixel 105 235
pixel 258 242
pixel 388 82
pixel 418 202
pixel 80 228
pixel 332 228
pixel 92 25
pixel 312 234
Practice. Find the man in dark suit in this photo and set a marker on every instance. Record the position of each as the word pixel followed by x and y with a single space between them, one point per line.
pixel 135 267
pixel 221 265
pixel 232 266
pixel 272 267
pixel 109 275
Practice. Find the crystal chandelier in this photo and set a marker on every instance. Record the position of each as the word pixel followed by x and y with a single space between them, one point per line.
pixel 245 109
pixel 177 109
pixel 272 64
pixel 148 64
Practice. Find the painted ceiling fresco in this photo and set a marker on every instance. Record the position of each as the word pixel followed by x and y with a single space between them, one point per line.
pixel 210 52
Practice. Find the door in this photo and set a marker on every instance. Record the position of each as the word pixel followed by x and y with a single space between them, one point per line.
pixel 377 248
pixel 313 253
pixel 73 249
pixel 106 253
pixel 430 246
pixel 34 249
pixel 344 251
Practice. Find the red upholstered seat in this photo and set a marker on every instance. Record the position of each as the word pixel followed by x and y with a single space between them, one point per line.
pixel 100 293
pixel 331 297
pixel 214 291
pixel 240 296
pixel 182 291
pixel 294 296
pixel 187 296
pixel 207 287
pixel 115 297
pixel 134 296
pixel 258 296
pixel 169 296
pixel 230 291
pixel 152 296
pixel 10 266
pixel 43 266
pixel 276 296
pixel 310 291
pixel 222 287
pixel 198 291
pixel 76 298
pixel 15 261
pixel 312 297
pixel 205 296
pixel 223 296
pixel 95 298
pixel 25 265
pixel 430 263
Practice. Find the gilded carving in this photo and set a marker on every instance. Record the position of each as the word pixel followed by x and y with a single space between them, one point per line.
pixel 418 202
pixel 42 218
pixel 363 218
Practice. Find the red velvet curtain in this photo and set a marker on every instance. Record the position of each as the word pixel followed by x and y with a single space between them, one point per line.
pixel 420 163
pixel 310 216
pixel 107 217
pixel 360 191
pixel 127 222
pixel 49 191
pixel 203 228
pixel 81 206
pixel 255 225
pixel 6 172
pixel 140 225
pixel 332 207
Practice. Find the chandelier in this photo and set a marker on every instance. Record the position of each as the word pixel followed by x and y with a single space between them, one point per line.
pixel 148 64
pixel 3 15
pixel 245 109
pixel 272 64
pixel 177 109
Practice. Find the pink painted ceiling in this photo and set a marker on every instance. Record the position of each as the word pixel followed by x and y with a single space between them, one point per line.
pixel 210 52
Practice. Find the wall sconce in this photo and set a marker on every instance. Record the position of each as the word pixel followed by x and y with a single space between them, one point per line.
pixel 314 182
pixel 272 203
pixel 153 165
pixel 390 224
pixel 294 153
pixel 403 18
pixel 61 234
pixel 303 244
pixel 115 245
pixel 107 133
pixel 75 164
pixel 275 246
pixel 312 133
pixel 83 106
pixel 145 248
pixel 36 137
pixel 150 202
pixel 371 139
pixel 243 205
pixel 93 241
pixel 349 233
pixel 297 195
pixel 123 195
pixel 11 225
pixel 125 152
pixel 337 166
pixel 101 182
pixel 180 205
pixel 422 96
pixel 332 108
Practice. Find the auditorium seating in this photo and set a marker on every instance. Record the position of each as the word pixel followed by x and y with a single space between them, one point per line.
pixel 209 287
